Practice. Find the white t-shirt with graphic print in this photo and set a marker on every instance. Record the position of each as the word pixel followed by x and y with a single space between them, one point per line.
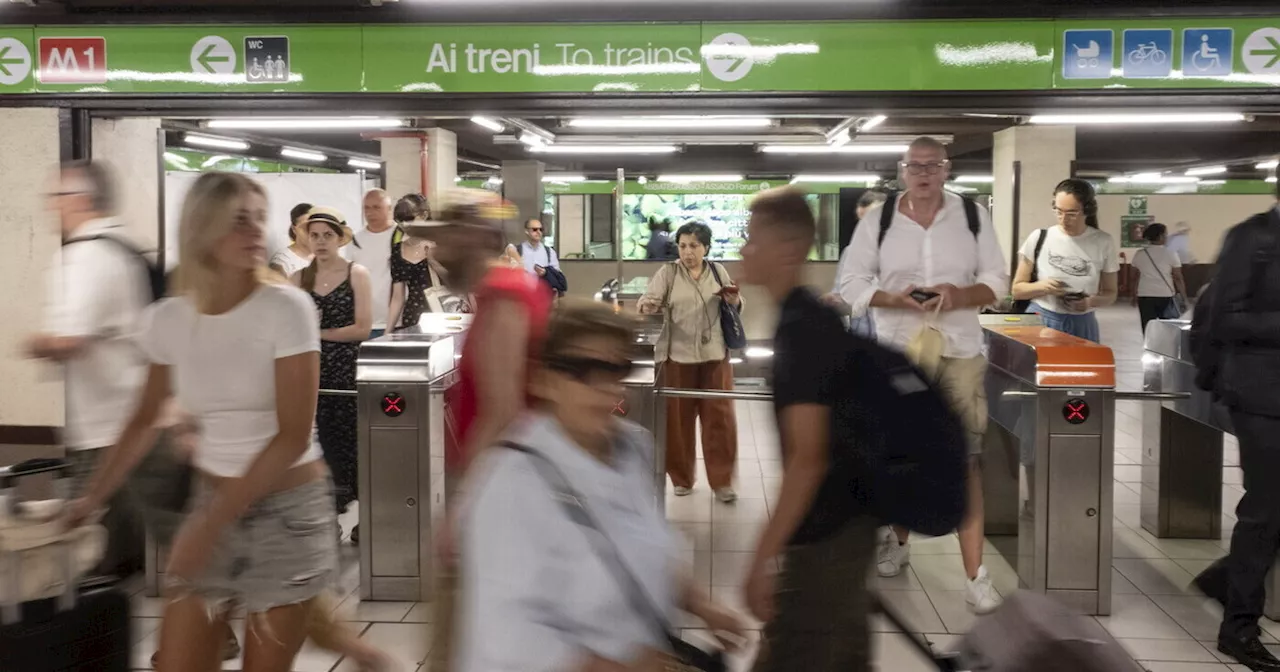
pixel 1078 262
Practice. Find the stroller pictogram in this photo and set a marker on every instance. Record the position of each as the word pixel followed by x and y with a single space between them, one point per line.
pixel 1087 57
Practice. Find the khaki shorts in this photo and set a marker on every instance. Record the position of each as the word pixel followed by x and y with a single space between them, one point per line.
pixel 962 382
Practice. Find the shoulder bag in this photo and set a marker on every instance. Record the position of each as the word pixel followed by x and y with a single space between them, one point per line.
pixel 685 657
pixel 1177 303
pixel 735 336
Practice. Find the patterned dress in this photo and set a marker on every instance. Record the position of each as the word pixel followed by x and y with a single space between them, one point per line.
pixel 335 415
pixel 416 279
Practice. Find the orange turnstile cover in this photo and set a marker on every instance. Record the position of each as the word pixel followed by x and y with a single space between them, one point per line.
pixel 1063 360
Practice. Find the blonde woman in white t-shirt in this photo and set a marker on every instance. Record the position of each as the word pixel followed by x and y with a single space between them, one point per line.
pixel 1160 282
pixel 240 352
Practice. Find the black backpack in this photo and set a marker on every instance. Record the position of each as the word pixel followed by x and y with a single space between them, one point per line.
pixel 155 274
pixel 915 448
pixel 891 206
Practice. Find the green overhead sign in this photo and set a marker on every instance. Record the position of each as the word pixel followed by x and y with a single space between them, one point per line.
pixel 995 55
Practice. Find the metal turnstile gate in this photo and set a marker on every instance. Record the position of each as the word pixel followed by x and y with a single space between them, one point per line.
pixel 401 380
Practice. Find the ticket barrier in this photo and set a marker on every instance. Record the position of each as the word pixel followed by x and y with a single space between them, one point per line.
pixel 1048 458
pixel 1181 441
pixel 401 381
pixel 1182 448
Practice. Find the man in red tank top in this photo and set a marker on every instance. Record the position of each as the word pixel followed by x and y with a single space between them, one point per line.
pixel 511 309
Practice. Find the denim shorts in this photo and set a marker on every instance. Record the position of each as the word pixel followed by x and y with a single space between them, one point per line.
pixel 283 551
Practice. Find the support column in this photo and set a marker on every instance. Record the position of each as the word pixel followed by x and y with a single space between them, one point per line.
pixel 442 163
pixel 402 160
pixel 32 393
pixel 1045 154
pixel 131 148
pixel 522 185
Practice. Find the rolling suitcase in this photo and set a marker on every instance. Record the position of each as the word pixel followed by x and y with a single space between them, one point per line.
pixel 1028 632
pixel 80 626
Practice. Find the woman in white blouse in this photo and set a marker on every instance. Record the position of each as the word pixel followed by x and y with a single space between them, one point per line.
pixel 1160 282
pixel 539 593
pixel 294 258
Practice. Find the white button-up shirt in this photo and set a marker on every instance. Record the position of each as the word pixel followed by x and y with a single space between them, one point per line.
pixel 945 253
pixel 536 595
pixel 99 292
pixel 538 256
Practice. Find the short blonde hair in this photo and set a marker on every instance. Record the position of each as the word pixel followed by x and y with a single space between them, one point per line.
pixel 208 216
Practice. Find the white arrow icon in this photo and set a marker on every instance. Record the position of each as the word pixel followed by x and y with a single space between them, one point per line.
pixel 213 55
pixel 15 61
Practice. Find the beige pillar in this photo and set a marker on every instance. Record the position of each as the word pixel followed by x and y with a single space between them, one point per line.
pixel 442 162
pixel 31 394
pixel 1046 153
pixel 131 147
pixel 402 161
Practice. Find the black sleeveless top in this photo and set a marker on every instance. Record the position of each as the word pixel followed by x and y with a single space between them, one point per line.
pixel 416 279
pixel 337 359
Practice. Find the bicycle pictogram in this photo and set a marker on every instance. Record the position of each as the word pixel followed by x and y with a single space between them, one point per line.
pixel 1148 52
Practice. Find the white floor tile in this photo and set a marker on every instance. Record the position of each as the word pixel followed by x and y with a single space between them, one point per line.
pixel 1165 650
pixel 914 608
pixel 407 643
pixel 1137 617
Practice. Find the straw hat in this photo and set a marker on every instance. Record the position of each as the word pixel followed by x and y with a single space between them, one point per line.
pixel 466 207
pixel 334 219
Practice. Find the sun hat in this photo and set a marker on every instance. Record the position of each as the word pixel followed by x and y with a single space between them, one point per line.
pixel 334 219
pixel 466 207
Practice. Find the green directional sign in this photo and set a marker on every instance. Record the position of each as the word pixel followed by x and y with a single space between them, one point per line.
pixel 15 60
pixel 613 58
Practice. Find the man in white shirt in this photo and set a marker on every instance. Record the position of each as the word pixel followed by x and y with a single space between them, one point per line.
pixel 930 247
pixel 96 298
pixel 373 251
pixel 537 256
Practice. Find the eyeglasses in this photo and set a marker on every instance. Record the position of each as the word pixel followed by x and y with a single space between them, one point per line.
pixel 923 168
pixel 590 370
pixel 1066 214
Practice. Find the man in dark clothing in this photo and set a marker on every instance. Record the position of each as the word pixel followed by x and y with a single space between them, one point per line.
pixel 1244 328
pixel 815 611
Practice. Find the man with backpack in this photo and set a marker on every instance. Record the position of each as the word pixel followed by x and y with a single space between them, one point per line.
pixel 96 298
pixel 843 407
pixel 1236 347
pixel 926 262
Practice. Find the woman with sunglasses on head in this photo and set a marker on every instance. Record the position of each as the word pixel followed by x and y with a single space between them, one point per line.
pixel 541 590
pixel 1069 270
pixel 413 271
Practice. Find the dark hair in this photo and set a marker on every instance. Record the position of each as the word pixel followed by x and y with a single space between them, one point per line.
pixel 787 207
pixel 1154 231
pixel 297 211
pixel 656 224
pixel 411 207
pixel 102 194
pixel 872 197
pixel 1084 192
pixel 701 232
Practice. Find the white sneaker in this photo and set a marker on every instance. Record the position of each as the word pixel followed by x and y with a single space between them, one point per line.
pixel 892 557
pixel 726 495
pixel 982 597
pixel 682 491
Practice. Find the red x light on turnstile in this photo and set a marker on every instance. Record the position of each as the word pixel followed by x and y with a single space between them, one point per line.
pixel 1076 411
pixel 620 408
pixel 393 405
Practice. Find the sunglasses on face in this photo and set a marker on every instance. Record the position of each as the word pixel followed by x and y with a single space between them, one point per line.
pixel 535 230
pixel 589 369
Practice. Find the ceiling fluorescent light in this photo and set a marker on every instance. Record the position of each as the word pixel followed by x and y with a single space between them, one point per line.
pixel 1268 165
pixel 309 124
pixel 1272 179
pixel 219 143
pixel 872 123
pixel 488 123
pixel 835 178
pixel 1154 178
pixel 840 139
pixel 976 179
pixel 685 179
pixel 532 139
pixel 671 122
pixel 494 180
pixel 365 164
pixel 851 148
pixel 605 149
pixel 564 178
pixel 302 154
pixel 1138 119
pixel 1207 170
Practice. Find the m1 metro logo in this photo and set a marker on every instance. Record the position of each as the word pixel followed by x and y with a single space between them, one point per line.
pixel 72 60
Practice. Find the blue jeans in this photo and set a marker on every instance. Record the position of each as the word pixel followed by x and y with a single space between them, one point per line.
pixel 1084 326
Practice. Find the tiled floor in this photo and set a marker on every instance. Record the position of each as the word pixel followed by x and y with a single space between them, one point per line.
pixel 1164 624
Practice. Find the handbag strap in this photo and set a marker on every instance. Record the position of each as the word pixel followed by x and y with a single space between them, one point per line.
pixel 576 508
pixel 1152 259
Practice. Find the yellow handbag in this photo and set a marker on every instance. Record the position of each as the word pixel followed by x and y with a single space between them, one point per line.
pixel 926 347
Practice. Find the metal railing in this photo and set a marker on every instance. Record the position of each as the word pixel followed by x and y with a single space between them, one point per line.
pixel 338 393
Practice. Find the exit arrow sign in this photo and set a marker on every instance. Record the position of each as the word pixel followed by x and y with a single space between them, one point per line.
pixel 1272 53
pixel 207 59
pixel 213 55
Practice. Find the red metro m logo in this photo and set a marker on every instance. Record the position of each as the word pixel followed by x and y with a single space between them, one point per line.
pixel 73 60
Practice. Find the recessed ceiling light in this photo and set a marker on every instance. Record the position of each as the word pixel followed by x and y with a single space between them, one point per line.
pixel 308 124
pixel 872 122
pixel 365 164
pixel 218 143
pixel 1268 165
pixel 851 148
pixel 684 179
pixel 836 178
pixel 604 149
pixel 486 122
pixel 976 179
pixel 1207 170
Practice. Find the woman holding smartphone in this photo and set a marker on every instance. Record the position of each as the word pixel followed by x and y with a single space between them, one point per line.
pixel 1074 263
pixel 691 354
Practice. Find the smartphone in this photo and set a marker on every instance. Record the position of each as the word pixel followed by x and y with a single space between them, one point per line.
pixel 1075 296
pixel 728 289
pixel 921 296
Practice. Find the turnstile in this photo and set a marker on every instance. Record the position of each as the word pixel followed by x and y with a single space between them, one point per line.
pixel 1048 456
pixel 1181 441
pixel 401 380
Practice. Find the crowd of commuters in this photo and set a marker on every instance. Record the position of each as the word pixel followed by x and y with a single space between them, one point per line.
pixel 554 554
